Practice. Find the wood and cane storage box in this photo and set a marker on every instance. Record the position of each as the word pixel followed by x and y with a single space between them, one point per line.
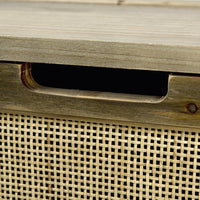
pixel 99 102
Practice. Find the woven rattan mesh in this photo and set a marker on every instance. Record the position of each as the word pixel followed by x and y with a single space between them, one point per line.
pixel 49 158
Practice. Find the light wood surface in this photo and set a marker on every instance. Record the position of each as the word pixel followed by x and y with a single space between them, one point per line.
pixel 169 110
pixel 140 37
pixel 71 1
pixel 186 3
pixel 189 3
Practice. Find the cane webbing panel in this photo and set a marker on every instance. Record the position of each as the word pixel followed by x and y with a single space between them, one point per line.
pixel 50 158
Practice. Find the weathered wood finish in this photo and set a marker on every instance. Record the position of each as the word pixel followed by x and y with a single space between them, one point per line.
pixel 171 110
pixel 195 3
pixel 134 37
pixel 71 1
pixel 125 2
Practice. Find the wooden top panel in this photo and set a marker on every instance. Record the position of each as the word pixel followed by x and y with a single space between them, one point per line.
pixel 125 2
pixel 140 37
pixel 73 1
pixel 164 2
pixel 147 25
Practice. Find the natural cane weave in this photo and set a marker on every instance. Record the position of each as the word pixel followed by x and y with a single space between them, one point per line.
pixel 49 158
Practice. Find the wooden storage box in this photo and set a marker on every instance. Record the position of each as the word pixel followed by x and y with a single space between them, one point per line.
pixel 67 144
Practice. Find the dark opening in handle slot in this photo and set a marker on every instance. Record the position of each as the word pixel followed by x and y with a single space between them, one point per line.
pixel 113 80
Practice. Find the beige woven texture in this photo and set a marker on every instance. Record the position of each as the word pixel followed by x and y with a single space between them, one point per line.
pixel 49 158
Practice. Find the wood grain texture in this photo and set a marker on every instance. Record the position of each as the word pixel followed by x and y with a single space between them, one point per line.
pixel 139 37
pixel 114 2
pixel 187 3
pixel 171 110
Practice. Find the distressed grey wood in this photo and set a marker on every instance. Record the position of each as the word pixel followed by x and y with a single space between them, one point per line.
pixel 125 2
pixel 169 110
pixel 190 3
pixel 70 1
pixel 145 37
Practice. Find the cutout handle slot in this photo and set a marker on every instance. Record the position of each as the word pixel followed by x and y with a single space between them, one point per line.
pixel 98 83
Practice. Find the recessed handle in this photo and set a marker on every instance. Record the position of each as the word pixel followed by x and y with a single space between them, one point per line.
pixel 180 107
pixel 96 83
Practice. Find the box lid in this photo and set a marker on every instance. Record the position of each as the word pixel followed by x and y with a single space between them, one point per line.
pixel 133 37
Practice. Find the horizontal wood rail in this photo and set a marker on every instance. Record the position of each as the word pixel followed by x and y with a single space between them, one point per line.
pixel 180 107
